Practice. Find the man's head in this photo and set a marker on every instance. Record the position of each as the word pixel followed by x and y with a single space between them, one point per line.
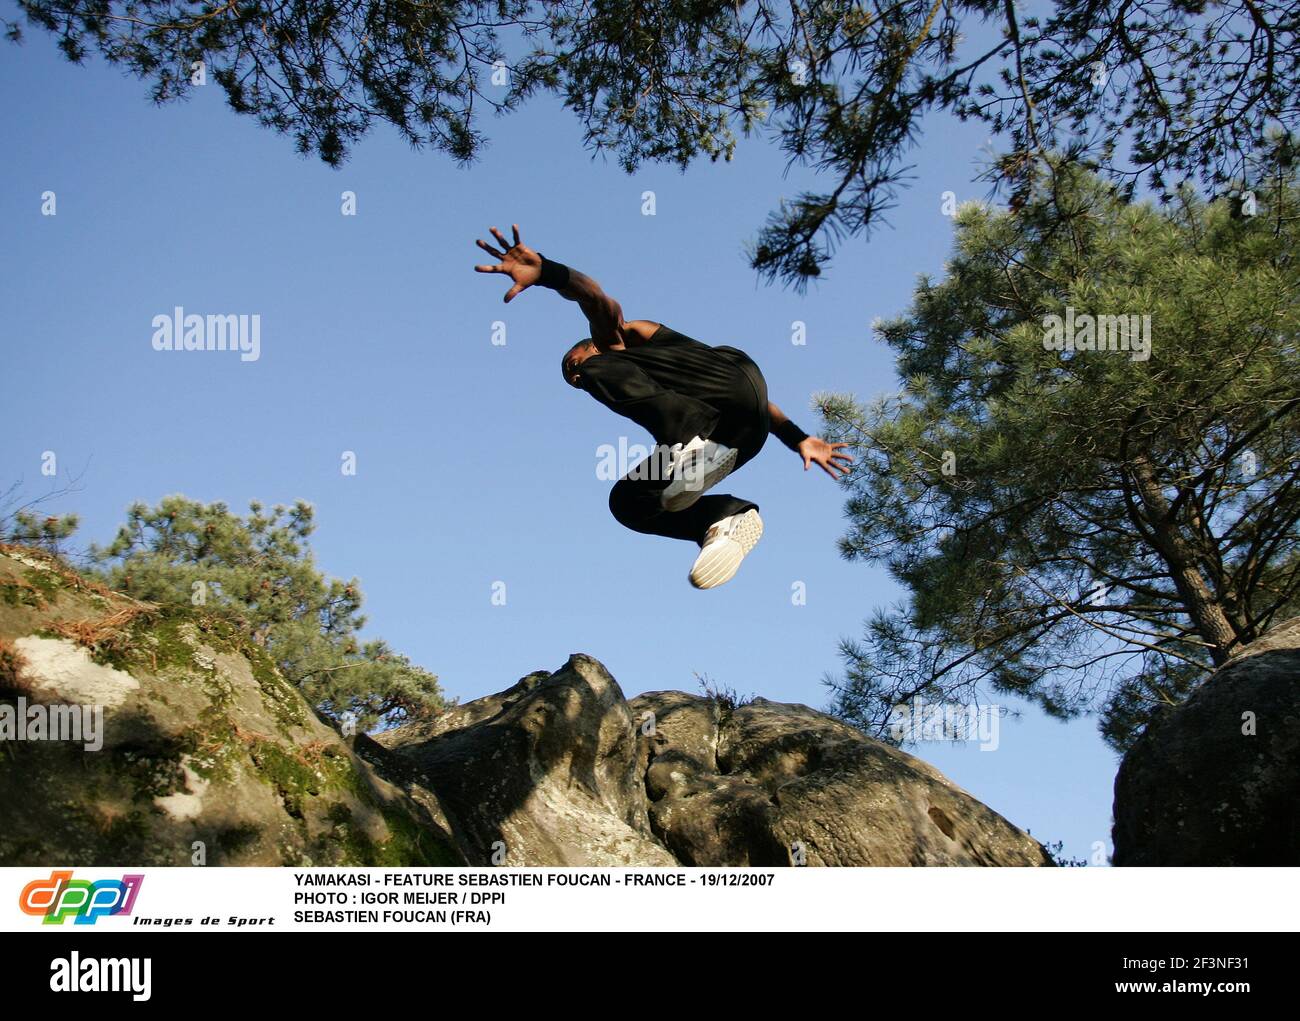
pixel 574 357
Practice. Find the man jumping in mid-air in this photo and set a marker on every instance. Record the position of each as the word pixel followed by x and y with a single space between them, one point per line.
pixel 706 408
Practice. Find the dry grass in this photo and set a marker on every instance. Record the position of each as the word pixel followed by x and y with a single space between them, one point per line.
pixel 94 632
pixel 74 580
pixel 313 751
pixel 106 636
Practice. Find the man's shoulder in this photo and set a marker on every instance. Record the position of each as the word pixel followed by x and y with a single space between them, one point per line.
pixel 667 335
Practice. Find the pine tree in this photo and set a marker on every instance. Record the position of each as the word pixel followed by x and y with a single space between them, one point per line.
pixel 1091 529
pixel 260 572
pixel 21 522
pixel 1152 91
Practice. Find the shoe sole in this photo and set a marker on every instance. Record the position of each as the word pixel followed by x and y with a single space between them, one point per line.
pixel 719 561
pixel 679 499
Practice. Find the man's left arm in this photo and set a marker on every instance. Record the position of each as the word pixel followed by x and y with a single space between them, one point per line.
pixel 813 449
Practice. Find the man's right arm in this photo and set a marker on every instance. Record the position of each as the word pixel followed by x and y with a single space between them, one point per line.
pixel 608 327
pixel 526 267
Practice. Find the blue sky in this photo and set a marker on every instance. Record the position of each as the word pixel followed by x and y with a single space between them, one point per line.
pixel 476 465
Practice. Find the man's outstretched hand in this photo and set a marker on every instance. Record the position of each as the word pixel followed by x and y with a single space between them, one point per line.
pixel 815 450
pixel 521 263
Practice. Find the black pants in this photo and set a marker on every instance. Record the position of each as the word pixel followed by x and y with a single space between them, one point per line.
pixel 737 419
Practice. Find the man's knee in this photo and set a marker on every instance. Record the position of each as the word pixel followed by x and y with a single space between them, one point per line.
pixel 633 502
pixel 622 501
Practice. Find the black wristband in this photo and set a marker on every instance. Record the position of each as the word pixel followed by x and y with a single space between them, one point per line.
pixel 790 434
pixel 555 275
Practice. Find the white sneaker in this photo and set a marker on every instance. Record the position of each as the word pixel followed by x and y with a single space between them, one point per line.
pixel 693 469
pixel 725 545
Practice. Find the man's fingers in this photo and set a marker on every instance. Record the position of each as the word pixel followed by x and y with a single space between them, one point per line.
pixel 831 467
pixel 501 238
pixel 489 269
pixel 514 227
pixel 514 290
pixel 489 249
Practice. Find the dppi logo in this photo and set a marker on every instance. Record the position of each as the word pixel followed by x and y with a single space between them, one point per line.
pixel 61 897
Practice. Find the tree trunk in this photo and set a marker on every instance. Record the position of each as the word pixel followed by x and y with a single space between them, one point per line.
pixel 1202 605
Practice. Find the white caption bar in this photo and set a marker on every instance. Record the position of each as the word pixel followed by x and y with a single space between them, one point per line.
pixel 542 900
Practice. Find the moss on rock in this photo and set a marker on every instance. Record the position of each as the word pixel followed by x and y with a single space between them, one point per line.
pixel 211 755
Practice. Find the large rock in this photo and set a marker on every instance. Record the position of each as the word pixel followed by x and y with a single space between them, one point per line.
pixel 560 770
pixel 208 755
pixel 772 784
pixel 205 745
pixel 545 773
pixel 1216 781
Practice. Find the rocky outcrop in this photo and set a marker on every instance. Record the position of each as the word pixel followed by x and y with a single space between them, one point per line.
pixel 206 754
pixel 772 784
pixel 560 770
pixel 206 750
pixel 544 773
pixel 1216 781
